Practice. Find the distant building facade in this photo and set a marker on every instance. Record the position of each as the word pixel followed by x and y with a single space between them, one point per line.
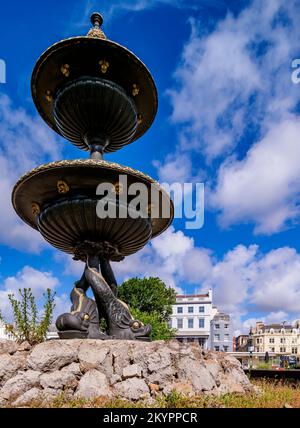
pixel 221 333
pixel 241 343
pixel 278 338
pixel 193 317
pixel 4 333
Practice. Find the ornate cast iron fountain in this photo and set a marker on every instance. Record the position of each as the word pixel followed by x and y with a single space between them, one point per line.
pixel 100 97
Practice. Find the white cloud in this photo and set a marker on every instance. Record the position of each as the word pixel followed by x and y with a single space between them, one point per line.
pixel 62 305
pixel 25 142
pixel 277 317
pixel 230 278
pixel 162 258
pixel 277 281
pixel 174 169
pixel 236 76
pixel 216 77
pixel 264 187
pixel 28 277
pixel 71 267
pixel 234 85
pixel 32 278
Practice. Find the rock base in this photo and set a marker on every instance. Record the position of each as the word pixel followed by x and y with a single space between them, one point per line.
pixel 131 370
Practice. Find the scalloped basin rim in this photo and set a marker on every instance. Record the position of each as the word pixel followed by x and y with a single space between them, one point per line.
pixel 40 185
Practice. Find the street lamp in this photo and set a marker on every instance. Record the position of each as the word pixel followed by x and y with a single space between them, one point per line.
pixel 250 348
pixel 283 345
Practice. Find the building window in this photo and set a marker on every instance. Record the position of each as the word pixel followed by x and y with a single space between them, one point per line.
pixel 225 348
pixel 271 340
pixel 190 323
pixel 294 350
pixel 226 325
pixel 216 337
pixel 179 309
pixel 217 348
pixel 217 326
pixel 282 349
pixel 282 340
pixel 201 309
pixel 201 322
pixel 272 349
pixel 190 309
pixel 226 337
pixel 257 341
pixel 179 323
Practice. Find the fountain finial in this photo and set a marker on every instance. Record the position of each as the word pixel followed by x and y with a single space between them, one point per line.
pixel 96 31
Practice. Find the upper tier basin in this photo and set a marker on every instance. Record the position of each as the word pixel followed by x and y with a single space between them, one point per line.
pixel 78 57
pixel 95 114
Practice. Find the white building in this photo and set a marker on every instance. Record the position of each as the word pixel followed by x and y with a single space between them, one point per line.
pixel 4 334
pixel 191 317
pixel 52 332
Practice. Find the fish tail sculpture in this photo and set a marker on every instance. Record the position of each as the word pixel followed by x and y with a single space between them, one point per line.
pixel 120 323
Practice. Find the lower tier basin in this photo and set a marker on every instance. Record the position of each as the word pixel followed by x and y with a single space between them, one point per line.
pixel 61 201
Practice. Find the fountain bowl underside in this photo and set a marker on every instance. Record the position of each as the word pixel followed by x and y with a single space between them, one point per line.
pixel 59 200
pixel 83 55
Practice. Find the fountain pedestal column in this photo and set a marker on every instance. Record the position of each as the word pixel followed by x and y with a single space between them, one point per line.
pixel 85 312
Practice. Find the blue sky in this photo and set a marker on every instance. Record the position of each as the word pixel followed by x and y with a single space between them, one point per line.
pixel 228 116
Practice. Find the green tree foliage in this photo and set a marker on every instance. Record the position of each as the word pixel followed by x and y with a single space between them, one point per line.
pixel 160 328
pixel 28 325
pixel 150 301
pixel 148 295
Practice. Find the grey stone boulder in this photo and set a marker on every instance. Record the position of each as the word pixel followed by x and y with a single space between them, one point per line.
pixel 134 370
pixel 9 366
pixel 24 346
pixel 120 351
pixel 58 379
pixel 73 368
pixel 132 389
pixel 28 398
pixel 114 379
pixel 93 384
pixel 159 360
pixel 53 354
pixel 8 346
pixel 19 384
pixel 94 354
pixel 194 371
